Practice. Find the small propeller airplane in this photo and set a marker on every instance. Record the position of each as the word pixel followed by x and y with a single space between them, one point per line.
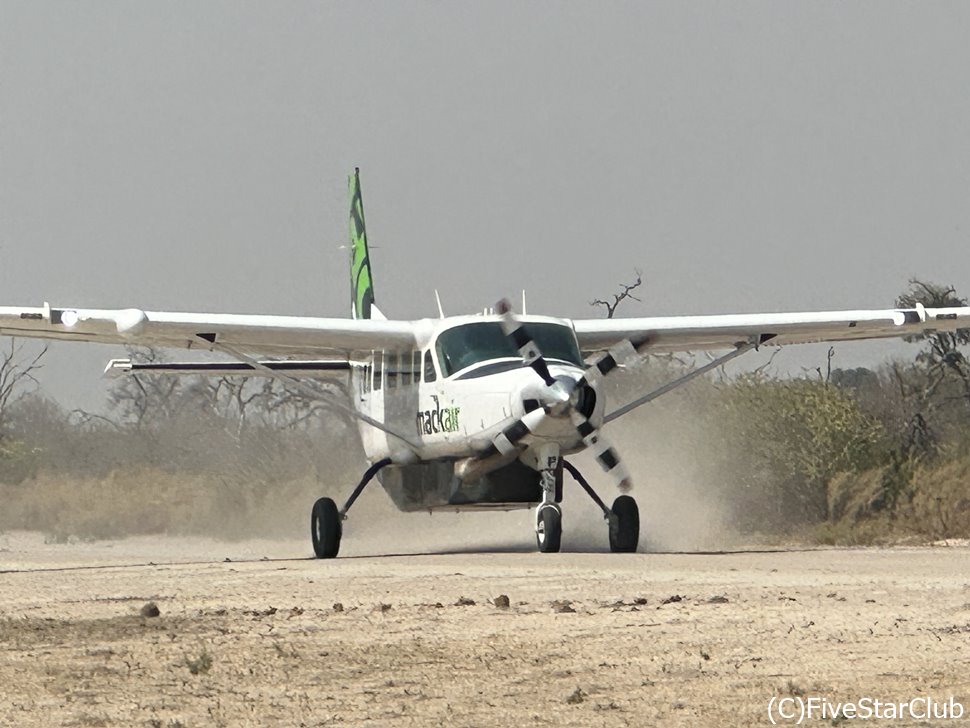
pixel 463 412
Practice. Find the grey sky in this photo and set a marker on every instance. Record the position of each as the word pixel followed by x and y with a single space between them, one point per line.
pixel 747 157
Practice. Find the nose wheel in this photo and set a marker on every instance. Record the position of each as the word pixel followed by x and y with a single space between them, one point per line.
pixel 548 514
pixel 549 528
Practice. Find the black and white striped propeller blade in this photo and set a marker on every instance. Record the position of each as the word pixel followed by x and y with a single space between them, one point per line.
pixel 508 440
pixel 528 349
pixel 603 451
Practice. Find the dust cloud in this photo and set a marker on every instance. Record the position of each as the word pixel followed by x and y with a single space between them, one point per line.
pixel 198 482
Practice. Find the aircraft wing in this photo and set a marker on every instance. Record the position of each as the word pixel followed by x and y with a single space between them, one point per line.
pixel 250 334
pixel 697 333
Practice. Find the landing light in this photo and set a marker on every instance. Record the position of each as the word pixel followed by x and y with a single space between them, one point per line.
pixel 69 318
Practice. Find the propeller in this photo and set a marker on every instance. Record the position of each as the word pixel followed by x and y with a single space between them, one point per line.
pixel 528 349
pixel 577 397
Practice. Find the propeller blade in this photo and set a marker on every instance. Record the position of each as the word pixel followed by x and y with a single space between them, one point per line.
pixel 522 340
pixel 605 454
pixel 614 357
pixel 508 439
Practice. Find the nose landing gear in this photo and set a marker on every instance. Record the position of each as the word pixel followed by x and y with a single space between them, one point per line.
pixel 548 514
pixel 549 528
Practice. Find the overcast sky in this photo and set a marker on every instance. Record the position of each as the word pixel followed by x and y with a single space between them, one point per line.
pixel 745 156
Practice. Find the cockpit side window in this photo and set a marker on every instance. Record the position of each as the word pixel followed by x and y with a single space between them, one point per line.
pixel 429 372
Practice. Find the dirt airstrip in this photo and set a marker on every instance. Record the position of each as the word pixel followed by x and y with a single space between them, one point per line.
pixel 255 633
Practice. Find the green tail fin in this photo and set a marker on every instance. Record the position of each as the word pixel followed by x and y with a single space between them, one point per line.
pixel 361 283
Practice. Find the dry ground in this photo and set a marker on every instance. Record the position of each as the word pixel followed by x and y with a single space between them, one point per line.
pixel 654 639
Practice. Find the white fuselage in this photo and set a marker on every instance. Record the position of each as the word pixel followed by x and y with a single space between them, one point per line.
pixel 453 409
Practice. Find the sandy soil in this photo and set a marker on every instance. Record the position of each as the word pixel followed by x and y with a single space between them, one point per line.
pixel 255 633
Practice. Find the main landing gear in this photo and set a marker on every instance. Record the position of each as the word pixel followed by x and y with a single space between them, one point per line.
pixel 326 528
pixel 326 522
pixel 623 517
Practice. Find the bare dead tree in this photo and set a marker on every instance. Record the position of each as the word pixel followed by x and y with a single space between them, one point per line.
pixel 273 402
pixel 825 378
pixel 16 376
pixel 83 418
pixel 137 400
pixel 237 402
pixel 626 291
pixel 232 399
pixel 289 406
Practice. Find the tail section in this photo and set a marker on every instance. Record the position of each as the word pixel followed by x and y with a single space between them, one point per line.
pixel 361 283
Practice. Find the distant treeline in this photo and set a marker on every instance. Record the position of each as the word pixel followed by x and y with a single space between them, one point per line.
pixel 836 455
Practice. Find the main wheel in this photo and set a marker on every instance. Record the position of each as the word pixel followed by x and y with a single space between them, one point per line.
pixel 549 529
pixel 325 528
pixel 624 525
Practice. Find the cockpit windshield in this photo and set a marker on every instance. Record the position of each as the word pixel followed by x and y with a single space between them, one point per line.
pixel 472 343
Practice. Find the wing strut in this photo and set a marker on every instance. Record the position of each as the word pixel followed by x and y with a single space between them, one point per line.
pixel 740 349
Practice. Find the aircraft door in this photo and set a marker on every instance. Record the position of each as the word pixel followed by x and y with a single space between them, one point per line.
pixel 374 440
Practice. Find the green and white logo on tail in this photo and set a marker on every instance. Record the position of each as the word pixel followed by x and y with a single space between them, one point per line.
pixel 361 283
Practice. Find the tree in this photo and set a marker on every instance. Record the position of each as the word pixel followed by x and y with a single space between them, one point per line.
pixel 138 401
pixel 238 402
pixel 626 291
pixel 787 439
pixel 942 354
pixel 16 378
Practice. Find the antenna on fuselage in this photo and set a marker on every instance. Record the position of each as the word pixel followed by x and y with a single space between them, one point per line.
pixel 523 302
pixel 441 311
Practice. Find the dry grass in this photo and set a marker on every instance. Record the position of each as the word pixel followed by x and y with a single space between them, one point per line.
pixel 936 507
pixel 150 501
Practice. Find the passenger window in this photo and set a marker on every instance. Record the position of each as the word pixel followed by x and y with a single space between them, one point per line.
pixel 365 379
pixel 390 370
pixel 405 369
pixel 378 356
pixel 429 372
pixel 416 365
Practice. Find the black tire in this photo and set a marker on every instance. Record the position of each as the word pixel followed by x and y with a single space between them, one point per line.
pixel 325 528
pixel 624 525
pixel 549 530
